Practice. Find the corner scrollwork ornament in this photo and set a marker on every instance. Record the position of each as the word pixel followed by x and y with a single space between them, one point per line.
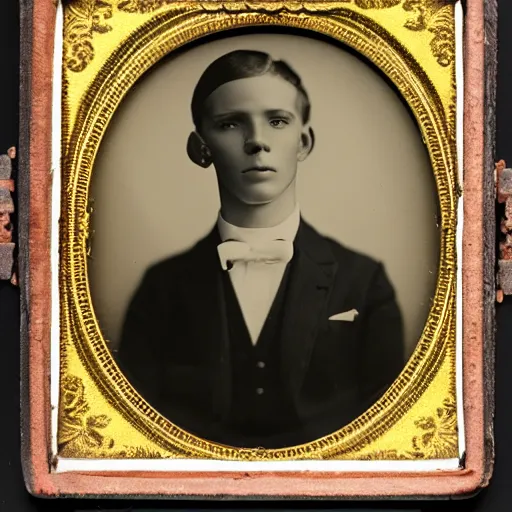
pixel 86 18
pixel 83 435
pixel 83 19
pixel 436 17
pixel 435 438
pixel 437 434
pixel 79 431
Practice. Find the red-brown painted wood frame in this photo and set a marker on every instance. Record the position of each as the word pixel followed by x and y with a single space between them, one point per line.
pixel 38 16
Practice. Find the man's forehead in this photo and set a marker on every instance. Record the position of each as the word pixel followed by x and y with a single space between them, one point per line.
pixel 266 92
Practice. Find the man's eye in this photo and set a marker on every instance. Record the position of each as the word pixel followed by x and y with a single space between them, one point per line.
pixel 279 123
pixel 227 125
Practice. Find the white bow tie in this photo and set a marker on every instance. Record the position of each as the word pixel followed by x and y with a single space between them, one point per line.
pixel 274 251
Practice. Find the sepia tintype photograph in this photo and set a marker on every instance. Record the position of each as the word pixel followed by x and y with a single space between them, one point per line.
pixel 264 243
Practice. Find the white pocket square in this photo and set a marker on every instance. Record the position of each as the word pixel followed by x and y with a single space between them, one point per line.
pixel 346 316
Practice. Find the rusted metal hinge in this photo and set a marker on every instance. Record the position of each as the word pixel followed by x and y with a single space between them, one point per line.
pixel 7 263
pixel 503 177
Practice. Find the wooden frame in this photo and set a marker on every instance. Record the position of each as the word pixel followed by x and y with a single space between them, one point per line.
pixel 81 344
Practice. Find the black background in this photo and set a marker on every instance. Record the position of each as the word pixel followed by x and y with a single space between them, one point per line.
pixel 14 497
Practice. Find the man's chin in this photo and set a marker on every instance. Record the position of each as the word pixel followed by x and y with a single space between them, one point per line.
pixel 258 201
pixel 260 194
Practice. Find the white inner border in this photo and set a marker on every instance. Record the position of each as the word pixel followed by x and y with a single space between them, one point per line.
pixel 155 465
pixel 310 466
pixel 459 77
pixel 55 216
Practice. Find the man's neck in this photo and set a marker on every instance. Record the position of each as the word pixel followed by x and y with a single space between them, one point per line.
pixel 258 216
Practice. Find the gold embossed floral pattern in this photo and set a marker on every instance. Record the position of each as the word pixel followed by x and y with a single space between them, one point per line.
pixel 412 403
pixel 82 434
pixel 436 17
pixel 376 4
pixel 79 431
pixel 141 5
pixel 435 438
pixel 86 17
pixel 83 19
pixel 438 433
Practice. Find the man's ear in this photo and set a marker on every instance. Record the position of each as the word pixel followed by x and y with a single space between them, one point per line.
pixel 307 142
pixel 198 151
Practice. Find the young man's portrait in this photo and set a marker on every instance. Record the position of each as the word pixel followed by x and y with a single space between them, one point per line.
pixel 267 328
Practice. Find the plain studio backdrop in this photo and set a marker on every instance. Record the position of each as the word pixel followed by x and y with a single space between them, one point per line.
pixel 368 182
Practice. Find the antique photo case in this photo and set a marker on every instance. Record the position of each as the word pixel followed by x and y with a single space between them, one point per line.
pixel 260 264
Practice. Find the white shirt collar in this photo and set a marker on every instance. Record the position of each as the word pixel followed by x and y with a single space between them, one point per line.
pixel 286 230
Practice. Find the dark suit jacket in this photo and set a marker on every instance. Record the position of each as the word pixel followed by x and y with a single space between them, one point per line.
pixel 175 343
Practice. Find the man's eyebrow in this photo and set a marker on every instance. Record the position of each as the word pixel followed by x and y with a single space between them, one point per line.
pixel 229 115
pixel 240 114
pixel 280 112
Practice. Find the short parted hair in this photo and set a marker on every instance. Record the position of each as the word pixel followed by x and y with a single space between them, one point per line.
pixel 240 64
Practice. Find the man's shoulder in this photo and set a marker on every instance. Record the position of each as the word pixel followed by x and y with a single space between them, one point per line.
pixel 364 271
pixel 345 255
pixel 187 258
pixel 357 258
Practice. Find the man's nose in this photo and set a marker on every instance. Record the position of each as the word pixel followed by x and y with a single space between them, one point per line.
pixel 254 146
pixel 255 142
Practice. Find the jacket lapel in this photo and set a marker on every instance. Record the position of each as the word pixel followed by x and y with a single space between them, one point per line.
pixel 311 280
pixel 204 295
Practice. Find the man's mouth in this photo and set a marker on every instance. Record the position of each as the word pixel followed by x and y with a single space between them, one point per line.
pixel 259 168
